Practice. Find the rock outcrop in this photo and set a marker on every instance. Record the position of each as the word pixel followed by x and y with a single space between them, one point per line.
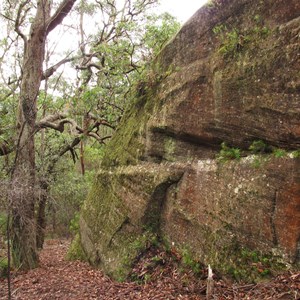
pixel 230 75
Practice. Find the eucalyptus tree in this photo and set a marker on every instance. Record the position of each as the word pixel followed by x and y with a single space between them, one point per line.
pixel 23 174
pixel 112 47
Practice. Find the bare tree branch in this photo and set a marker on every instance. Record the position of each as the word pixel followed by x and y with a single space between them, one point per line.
pixel 57 122
pixel 50 71
pixel 60 14
pixel 60 126
pixel 99 122
pixel 53 118
pixel 88 66
pixel 19 21
pixel 61 119
pixel 6 17
pixel 70 148
pixel 97 137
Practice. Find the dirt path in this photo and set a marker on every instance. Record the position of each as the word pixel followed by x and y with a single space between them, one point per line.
pixel 57 278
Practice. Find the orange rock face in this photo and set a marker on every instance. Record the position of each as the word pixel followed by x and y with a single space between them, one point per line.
pixel 230 75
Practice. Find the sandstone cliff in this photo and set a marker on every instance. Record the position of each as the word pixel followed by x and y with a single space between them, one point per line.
pixel 230 75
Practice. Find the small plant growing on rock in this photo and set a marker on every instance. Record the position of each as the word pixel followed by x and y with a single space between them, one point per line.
pixel 188 261
pixel 253 265
pixel 296 154
pixel 277 152
pixel 210 4
pixel 228 153
pixel 232 41
pixel 259 146
pixel 214 4
pixel 231 44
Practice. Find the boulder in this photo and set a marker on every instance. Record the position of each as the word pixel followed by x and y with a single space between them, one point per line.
pixel 230 75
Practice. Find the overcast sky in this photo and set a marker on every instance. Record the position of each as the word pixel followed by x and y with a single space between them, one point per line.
pixel 182 9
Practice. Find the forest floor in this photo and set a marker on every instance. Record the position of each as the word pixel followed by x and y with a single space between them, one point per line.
pixel 155 279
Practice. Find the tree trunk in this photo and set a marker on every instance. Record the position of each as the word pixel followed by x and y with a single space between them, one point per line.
pixel 41 215
pixel 23 178
pixel 23 199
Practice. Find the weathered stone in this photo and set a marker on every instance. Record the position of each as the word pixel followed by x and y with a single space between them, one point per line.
pixel 249 91
pixel 258 207
pixel 230 75
pixel 121 206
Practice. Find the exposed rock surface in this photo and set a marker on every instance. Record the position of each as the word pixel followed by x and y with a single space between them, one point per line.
pixel 230 75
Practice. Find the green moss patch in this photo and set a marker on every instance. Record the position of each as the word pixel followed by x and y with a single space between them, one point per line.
pixel 75 251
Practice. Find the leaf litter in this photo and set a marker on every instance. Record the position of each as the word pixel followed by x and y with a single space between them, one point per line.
pixel 156 275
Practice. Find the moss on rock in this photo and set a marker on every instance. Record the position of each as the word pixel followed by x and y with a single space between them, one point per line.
pixel 122 203
pixel 75 251
pixel 237 95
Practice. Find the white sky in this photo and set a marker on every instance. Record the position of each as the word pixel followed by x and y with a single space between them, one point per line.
pixel 182 9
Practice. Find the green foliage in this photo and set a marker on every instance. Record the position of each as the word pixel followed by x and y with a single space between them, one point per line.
pixel 231 44
pixel 253 265
pixel 86 8
pixel 8 112
pixel 258 146
pixel 145 241
pixel 67 187
pixel 169 148
pixel 219 29
pixel 3 224
pixel 75 251
pixel 257 18
pixel 3 267
pixel 188 260
pixel 227 153
pixel 136 248
pixel 49 102
pixel 74 223
pixel 233 41
pixel 67 194
pixel 296 154
pixel 158 31
pixel 122 58
pixel 277 152
pixel 209 4
pixel 257 162
pixel 93 155
pixel 111 55
pixel 140 279
pixel 3 244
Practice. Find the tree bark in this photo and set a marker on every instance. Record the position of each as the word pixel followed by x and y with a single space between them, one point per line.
pixel 23 176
